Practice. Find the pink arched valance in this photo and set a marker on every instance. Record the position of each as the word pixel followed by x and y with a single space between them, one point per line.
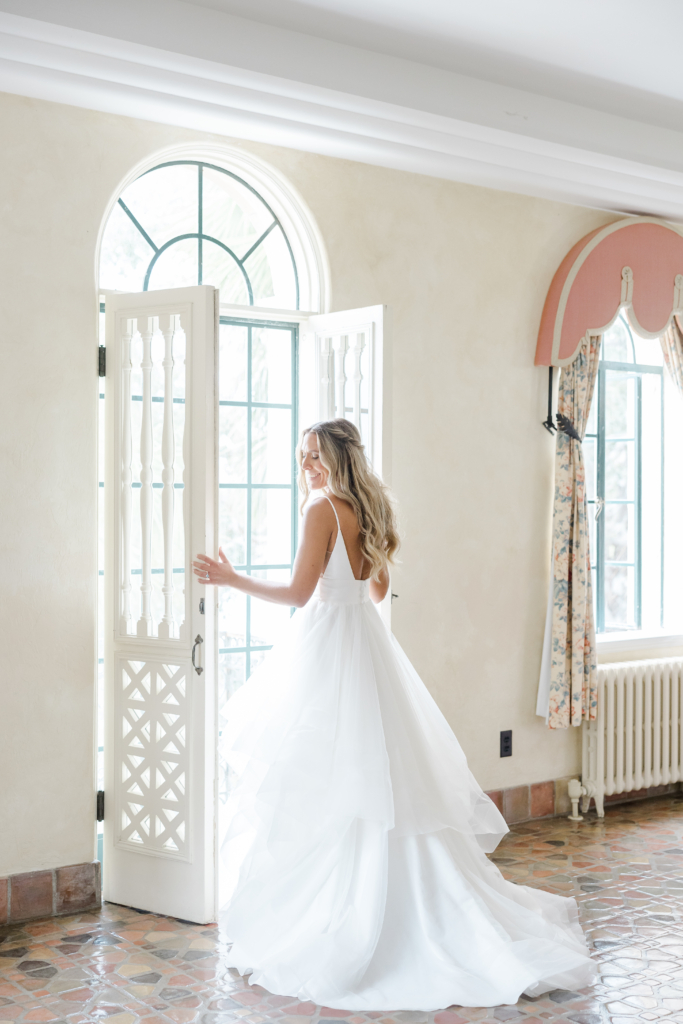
pixel 634 264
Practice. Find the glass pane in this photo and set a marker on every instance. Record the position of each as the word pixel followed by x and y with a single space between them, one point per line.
pixel 620 406
pixel 617 346
pixel 648 351
pixel 177 267
pixel 590 466
pixel 619 597
pixel 271 537
pixel 232 672
pixel 232 618
pixel 221 270
pixel 232 524
pixel 125 254
pixel 164 201
pixel 271 446
pixel 233 213
pixel 233 363
pixel 620 470
pixel 592 532
pixel 232 444
pixel 267 618
pixel 271 365
pixel 231 675
pixel 651 524
pixel 271 273
pixel 619 533
pixel 256 658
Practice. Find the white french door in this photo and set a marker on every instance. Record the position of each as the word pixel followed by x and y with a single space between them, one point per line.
pixel 202 415
pixel 160 748
pixel 344 371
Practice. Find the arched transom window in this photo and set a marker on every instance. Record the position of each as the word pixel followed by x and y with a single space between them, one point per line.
pixel 191 222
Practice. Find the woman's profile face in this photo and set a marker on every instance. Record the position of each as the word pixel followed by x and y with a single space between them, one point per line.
pixel 316 474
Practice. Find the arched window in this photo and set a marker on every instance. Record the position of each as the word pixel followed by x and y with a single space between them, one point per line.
pixel 188 222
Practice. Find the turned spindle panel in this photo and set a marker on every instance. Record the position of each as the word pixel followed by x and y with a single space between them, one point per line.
pixel 153 543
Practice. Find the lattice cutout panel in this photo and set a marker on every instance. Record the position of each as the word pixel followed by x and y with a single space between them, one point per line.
pixel 154 726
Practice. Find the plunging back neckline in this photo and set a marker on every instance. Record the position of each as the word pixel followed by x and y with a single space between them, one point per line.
pixel 341 564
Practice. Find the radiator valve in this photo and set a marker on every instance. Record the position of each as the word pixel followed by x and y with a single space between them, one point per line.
pixel 575 791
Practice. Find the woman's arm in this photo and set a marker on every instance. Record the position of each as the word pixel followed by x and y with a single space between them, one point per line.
pixel 318 523
pixel 379 588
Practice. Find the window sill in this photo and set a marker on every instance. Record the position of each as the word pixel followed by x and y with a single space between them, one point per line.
pixel 617 643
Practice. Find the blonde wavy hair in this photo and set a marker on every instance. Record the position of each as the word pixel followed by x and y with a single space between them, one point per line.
pixel 351 478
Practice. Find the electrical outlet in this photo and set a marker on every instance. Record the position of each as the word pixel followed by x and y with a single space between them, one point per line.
pixel 506 743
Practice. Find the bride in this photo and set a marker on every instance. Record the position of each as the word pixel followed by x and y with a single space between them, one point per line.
pixel 356 843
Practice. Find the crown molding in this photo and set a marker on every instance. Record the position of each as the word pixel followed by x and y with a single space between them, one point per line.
pixel 102 72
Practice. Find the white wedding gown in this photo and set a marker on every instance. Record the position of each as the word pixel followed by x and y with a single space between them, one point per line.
pixel 354 854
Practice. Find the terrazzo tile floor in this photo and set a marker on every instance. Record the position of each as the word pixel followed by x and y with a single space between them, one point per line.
pixel 124 966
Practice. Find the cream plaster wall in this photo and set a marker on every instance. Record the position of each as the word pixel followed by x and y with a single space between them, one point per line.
pixel 465 270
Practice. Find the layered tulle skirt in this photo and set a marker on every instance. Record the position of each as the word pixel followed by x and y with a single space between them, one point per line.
pixel 353 863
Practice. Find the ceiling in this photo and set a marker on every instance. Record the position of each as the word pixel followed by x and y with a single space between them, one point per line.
pixel 580 101
pixel 583 48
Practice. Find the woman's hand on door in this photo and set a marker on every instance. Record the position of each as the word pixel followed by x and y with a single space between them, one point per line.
pixel 213 573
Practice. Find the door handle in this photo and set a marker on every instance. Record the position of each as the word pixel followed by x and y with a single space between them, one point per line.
pixel 198 669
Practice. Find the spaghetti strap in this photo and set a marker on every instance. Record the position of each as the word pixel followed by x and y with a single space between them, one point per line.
pixel 334 510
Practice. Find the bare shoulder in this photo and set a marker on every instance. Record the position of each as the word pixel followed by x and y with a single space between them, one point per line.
pixel 318 513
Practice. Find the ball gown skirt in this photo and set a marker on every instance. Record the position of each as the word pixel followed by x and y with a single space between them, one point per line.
pixel 354 857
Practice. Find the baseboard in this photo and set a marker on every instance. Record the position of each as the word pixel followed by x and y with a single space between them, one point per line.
pixel 550 799
pixel 53 893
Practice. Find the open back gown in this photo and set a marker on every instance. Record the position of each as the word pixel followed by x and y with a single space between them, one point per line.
pixel 355 850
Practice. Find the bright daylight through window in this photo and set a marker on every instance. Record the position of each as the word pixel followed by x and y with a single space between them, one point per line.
pixel 187 223
pixel 634 477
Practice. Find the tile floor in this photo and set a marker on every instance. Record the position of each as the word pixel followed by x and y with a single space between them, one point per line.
pixel 125 966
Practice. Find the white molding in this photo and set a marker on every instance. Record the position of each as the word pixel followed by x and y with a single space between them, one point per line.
pixel 98 71
pixel 623 642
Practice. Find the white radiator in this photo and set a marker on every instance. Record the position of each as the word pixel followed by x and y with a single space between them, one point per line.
pixel 637 739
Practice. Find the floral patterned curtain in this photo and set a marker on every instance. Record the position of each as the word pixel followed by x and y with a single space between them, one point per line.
pixel 672 347
pixel 572 685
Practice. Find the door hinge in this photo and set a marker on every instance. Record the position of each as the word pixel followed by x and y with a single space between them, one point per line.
pixel 102 363
pixel 100 805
